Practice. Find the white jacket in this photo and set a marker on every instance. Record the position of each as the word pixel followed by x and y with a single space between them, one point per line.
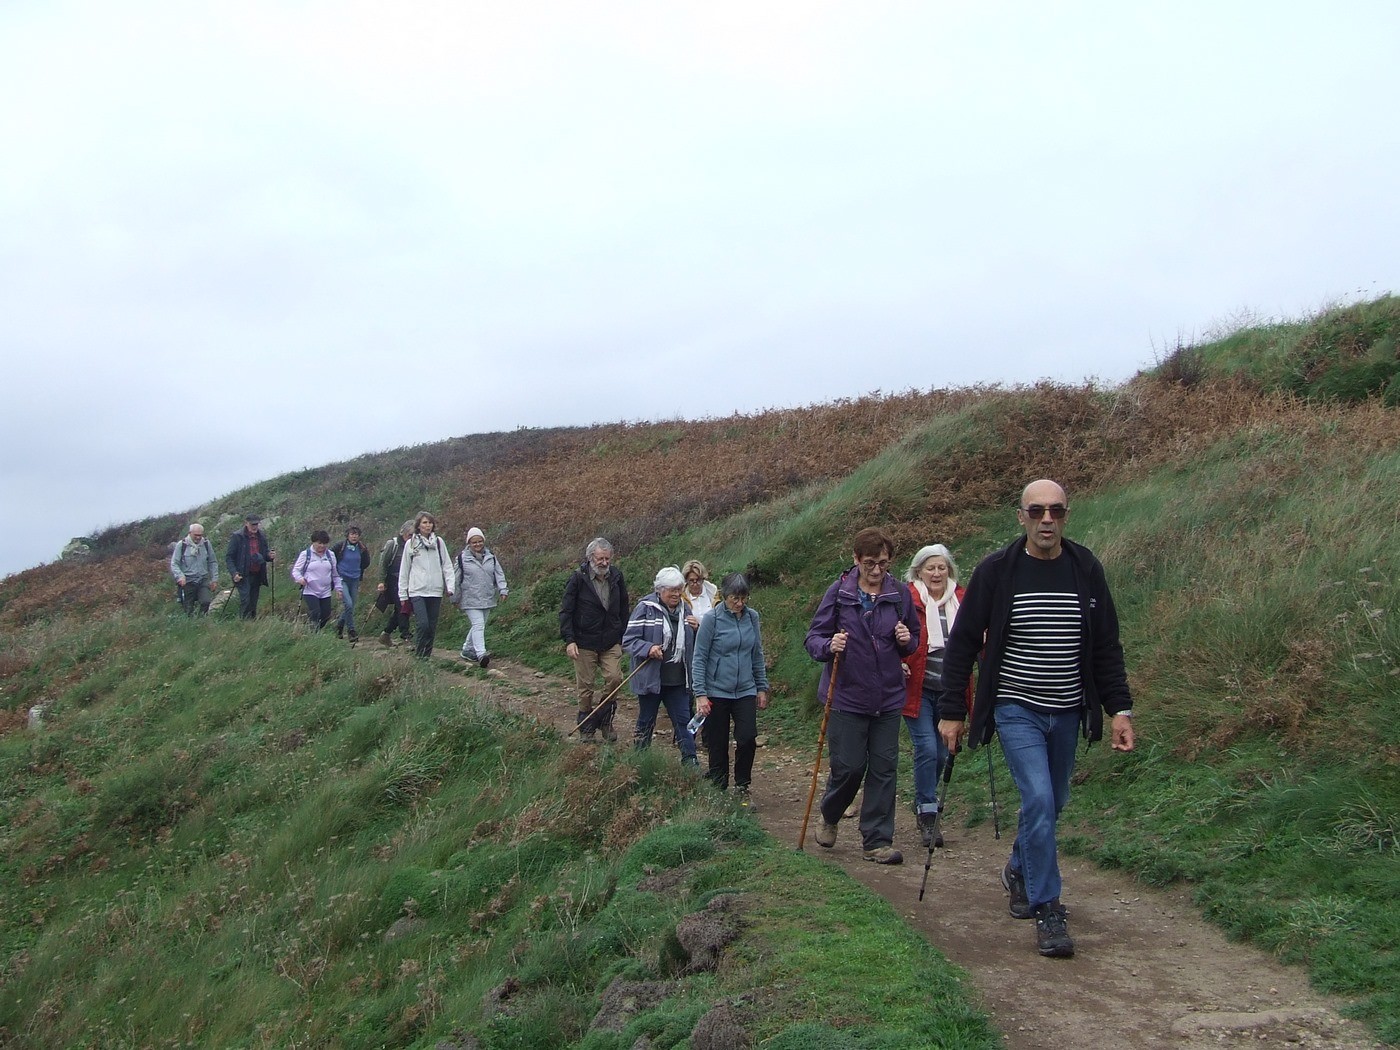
pixel 426 570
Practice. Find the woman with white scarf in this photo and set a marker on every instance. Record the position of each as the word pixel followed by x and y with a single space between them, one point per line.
pixel 659 639
pixel 933 582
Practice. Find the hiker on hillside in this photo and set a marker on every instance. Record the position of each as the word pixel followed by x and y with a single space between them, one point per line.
pixel 425 578
pixel 481 583
pixel 933 584
pixel 316 573
pixel 863 627
pixel 591 620
pixel 352 559
pixel 247 559
pixel 700 595
pixel 196 570
pixel 730 679
pixel 390 559
pixel 659 639
pixel 1053 665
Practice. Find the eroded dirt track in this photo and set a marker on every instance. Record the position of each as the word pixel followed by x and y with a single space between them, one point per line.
pixel 1148 971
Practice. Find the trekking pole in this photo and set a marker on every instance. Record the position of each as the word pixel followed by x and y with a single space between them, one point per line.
pixel 928 861
pixel 821 741
pixel 606 700
pixel 272 593
pixel 992 784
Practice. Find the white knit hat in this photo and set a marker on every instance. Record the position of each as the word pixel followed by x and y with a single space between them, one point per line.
pixel 474 531
pixel 668 577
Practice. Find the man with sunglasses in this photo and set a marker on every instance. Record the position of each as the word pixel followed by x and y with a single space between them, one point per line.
pixel 1053 666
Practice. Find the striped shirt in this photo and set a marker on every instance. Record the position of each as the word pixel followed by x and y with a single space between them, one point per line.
pixel 1040 668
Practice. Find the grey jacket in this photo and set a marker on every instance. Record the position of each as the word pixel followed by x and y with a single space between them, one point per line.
pixel 478 582
pixel 194 561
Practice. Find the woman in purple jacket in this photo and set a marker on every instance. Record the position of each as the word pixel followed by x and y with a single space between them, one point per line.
pixel 315 572
pixel 869 622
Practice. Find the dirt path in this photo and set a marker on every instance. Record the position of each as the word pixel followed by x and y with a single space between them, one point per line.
pixel 1148 971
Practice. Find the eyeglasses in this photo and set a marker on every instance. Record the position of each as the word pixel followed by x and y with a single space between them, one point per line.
pixel 1036 511
pixel 871 563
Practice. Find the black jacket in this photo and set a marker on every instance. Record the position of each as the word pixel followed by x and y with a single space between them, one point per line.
pixel 236 557
pixel 983 619
pixel 582 617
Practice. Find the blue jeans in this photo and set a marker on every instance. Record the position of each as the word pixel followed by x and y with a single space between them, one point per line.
pixel 930 754
pixel 474 645
pixel 1039 748
pixel 351 591
pixel 677 701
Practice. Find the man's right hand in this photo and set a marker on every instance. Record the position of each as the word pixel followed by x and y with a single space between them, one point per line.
pixel 180 581
pixel 238 577
pixel 952 730
pixel 571 650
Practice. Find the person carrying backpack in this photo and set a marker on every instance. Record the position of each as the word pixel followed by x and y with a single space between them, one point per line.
pixel 480 579
pixel 390 558
pixel 315 573
pixel 196 570
pixel 352 559
pixel 425 578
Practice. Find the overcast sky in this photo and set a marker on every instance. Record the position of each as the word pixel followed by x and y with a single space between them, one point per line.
pixel 243 238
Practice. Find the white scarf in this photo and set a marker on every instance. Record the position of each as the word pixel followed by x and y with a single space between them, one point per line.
pixel 948 603
pixel 677 657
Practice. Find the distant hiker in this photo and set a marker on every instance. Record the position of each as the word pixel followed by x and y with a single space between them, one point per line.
pixel 659 639
pixel 352 559
pixel 591 621
pixel 480 580
pixel 247 558
pixel 1053 665
pixel 700 594
pixel 933 584
pixel 425 578
pixel 867 620
pixel 731 683
pixel 196 570
pixel 315 572
pixel 390 559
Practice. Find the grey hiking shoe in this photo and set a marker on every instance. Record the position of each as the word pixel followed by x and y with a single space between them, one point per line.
pixel 929 831
pixel 884 855
pixel 1015 884
pixel 386 639
pixel 826 837
pixel 1052 931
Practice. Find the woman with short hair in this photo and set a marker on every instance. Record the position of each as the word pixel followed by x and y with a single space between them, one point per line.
pixel 731 684
pixel 315 572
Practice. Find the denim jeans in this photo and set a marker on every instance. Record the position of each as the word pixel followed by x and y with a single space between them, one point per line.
pixel 930 754
pixel 864 749
pixel 1039 748
pixel 349 595
pixel 677 701
pixel 744 712
pixel 318 610
pixel 425 618
pixel 474 645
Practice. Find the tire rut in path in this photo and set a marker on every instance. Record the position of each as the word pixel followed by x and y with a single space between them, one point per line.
pixel 1148 971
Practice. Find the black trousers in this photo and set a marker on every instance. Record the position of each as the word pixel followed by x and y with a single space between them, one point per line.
pixel 743 712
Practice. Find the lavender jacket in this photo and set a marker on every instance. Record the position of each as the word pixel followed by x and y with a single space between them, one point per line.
pixel 870 680
pixel 317 573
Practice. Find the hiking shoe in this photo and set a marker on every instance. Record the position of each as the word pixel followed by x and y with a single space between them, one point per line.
pixel 354 637
pixel 386 639
pixel 1052 931
pixel 469 657
pixel 929 831
pixel 827 835
pixel 485 661
pixel 1015 884
pixel 340 630
pixel 609 733
pixel 741 794
pixel 884 855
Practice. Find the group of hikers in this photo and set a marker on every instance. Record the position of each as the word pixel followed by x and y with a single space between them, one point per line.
pixel 417 573
pixel 1036 619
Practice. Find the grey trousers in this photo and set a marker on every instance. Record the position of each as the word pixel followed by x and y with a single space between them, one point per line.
pixel 864 749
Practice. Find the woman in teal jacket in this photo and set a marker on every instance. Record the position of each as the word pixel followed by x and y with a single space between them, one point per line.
pixel 731 683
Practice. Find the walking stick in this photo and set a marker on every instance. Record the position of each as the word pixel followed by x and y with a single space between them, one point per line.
pixel 821 741
pixel 272 592
pixel 606 700
pixel 992 784
pixel 928 861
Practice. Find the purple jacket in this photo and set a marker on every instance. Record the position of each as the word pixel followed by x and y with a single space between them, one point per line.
pixel 871 679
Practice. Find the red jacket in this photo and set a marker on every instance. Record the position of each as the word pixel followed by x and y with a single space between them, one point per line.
pixel 917 661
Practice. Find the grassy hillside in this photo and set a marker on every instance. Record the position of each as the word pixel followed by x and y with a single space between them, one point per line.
pixel 1240 495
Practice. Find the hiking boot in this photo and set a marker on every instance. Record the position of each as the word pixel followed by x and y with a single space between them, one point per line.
pixel 609 733
pixel 354 637
pixel 1052 931
pixel 340 630
pixel 929 831
pixel 741 794
pixel 1015 884
pixel 386 639
pixel 884 855
pixel 469 657
pixel 690 762
pixel 827 835
pixel 485 661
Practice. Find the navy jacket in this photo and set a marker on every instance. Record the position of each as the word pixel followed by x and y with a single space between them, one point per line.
pixel 236 557
pixel 985 612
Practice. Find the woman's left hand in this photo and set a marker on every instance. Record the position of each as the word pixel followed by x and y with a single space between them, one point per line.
pixel 762 700
pixel 901 633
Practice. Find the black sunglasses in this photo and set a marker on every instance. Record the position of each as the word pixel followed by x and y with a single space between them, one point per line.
pixel 1036 511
